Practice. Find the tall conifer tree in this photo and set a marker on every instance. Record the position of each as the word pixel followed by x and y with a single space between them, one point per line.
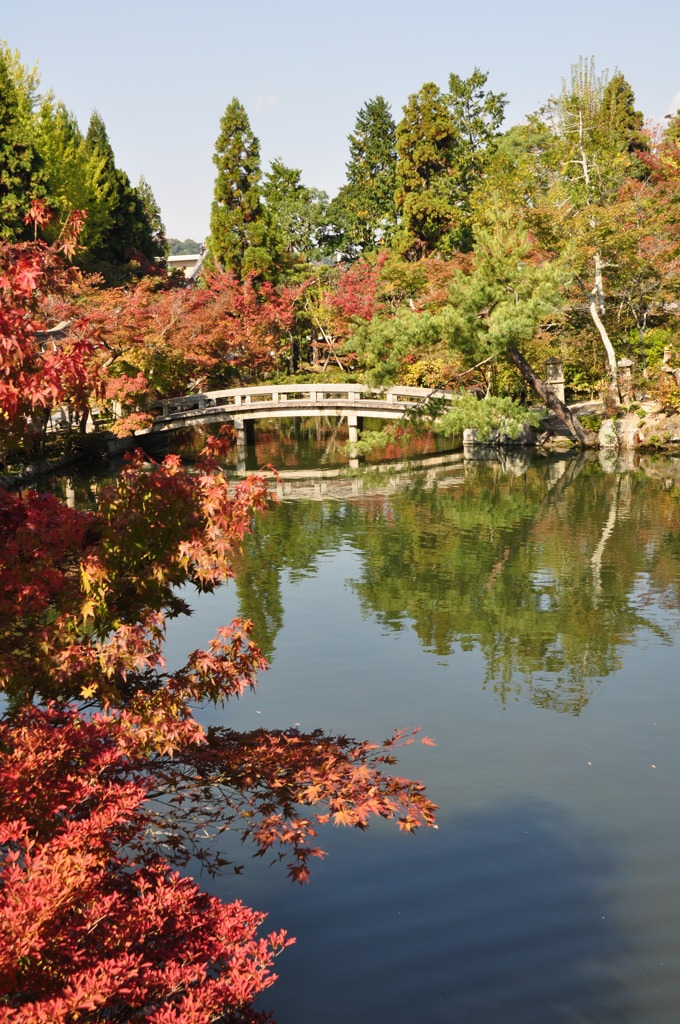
pixel 75 176
pixel 296 216
pixel 130 234
pixel 620 121
pixel 477 114
pixel 364 209
pixel 444 143
pixel 21 170
pixel 152 213
pixel 238 233
pixel 426 201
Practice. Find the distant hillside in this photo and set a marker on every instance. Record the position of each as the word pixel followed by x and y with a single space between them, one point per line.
pixel 186 248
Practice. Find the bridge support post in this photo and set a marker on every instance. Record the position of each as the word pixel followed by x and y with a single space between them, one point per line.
pixel 355 424
pixel 241 427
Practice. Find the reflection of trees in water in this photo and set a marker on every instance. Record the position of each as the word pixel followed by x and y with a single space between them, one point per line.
pixel 289 539
pixel 549 578
pixel 505 565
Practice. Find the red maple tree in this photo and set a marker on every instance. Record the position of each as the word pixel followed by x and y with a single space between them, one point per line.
pixel 96 924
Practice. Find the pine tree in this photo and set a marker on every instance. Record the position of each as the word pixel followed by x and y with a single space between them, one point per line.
pixel 21 169
pixel 238 236
pixel 364 209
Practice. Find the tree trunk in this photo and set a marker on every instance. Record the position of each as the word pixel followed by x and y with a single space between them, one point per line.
pixel 596 295
pixel 607 530
pixel 563 412
pixel 595 300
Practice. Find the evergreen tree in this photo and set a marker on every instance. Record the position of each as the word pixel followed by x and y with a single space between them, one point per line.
pixel 296 216
pixel 426 202
pixel 238 236
pixel 130 235
pixel 75 177
pixel 496 309
pixel 26 83
pixel 152 213
pixel 97 140
pixel 444 145
pixel 672 133
pixel 21 169
pixel 622 124
pixel 477 115
pixel 514 175
pixel 364 209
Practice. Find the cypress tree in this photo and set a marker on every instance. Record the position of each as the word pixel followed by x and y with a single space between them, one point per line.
pixel 238 232
pixel 21 170
pixel 97 140
pixel 444 144
pixel 296 216
pixel 74 175
pixel 425 197
pixel 622 124
pixel 130 234
pixel 152 215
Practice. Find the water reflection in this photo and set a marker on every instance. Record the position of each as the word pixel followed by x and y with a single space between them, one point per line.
pixel 549 892
pixel 547 566
pixel 548 573
pixel 294 443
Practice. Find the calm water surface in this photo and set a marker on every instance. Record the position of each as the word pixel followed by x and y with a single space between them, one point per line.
pixel 526 616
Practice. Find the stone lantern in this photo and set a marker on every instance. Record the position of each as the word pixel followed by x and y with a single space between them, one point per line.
pixel 554 377
pixel 625 368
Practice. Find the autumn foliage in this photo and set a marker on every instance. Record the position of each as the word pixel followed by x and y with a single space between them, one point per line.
pixel 37 375
pixel 169 340
pixel 108 782
pixel 88 931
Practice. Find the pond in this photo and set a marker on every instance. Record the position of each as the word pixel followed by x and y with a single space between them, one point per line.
pixel 525 614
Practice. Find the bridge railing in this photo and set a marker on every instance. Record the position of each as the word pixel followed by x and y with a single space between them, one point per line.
pixel 313 394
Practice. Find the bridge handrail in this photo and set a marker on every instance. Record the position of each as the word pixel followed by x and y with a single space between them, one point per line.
pixel 274 393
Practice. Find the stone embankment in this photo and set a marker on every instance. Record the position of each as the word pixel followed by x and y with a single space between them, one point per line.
pixel 642 426
pixel 645 426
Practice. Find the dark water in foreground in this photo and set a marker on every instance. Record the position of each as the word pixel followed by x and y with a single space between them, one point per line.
pixel 528 621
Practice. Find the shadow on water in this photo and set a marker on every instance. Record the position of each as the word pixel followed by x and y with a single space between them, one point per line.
pixel 502 917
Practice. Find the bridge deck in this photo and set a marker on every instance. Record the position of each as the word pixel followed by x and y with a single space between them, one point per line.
pixel 284 400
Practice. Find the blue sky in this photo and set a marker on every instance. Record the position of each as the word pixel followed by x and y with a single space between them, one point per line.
pixel 161 74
